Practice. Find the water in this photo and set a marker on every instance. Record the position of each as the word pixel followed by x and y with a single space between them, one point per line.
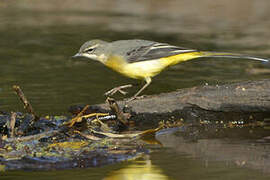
pixel 38 38
pixel 178 159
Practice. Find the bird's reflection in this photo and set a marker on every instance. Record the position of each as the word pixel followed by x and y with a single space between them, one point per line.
pixel 138 170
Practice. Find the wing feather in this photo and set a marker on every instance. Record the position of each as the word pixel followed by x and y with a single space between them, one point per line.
pixel 154 51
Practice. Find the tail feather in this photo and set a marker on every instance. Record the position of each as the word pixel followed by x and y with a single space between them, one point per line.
pixel 172 60
pixel 231 55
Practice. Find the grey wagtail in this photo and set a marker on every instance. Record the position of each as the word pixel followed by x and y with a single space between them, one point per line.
pixel 142 59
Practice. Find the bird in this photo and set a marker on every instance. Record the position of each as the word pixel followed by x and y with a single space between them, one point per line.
pixel 144 59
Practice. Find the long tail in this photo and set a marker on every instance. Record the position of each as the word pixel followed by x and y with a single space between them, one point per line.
pixel 230 55
pixel 175 59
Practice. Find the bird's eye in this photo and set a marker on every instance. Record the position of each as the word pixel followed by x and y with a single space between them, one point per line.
pixel 89 50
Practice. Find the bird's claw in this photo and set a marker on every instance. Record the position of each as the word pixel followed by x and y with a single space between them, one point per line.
pixel 117 89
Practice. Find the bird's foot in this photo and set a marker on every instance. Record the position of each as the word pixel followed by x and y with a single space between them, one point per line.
pixel 118 89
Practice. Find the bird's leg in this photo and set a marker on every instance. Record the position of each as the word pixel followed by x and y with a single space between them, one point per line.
pixel 118 89
pixel 148 81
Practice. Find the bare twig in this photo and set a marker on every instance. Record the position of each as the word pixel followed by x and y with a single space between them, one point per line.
pixel 33 137
pixel 88 136
pixel 12 124
pixel 77 118
pixel 119 113
pixel 27 106
pixel 83 111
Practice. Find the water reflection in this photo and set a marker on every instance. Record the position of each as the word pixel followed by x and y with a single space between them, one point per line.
pixel 229 153
pixel 234 152
pixel 143 170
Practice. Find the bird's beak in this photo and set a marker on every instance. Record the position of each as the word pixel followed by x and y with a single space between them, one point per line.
pixel 77 55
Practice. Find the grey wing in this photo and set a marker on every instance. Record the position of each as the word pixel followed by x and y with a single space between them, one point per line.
pixel 154 51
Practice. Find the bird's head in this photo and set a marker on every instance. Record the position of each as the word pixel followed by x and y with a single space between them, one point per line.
pixel 93 49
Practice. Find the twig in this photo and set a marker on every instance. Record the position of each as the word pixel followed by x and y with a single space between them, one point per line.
pixel 33 137
pixel 83 110
pixel 119 113
pixel 75 119
pixel 12 124
pixel 79 119
pixel 27 106
pixel 87 136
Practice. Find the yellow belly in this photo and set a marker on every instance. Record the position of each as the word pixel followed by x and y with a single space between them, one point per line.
pixel 141 70
pixel 137 70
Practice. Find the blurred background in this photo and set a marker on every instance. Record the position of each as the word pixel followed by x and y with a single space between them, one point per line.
pixel 39 37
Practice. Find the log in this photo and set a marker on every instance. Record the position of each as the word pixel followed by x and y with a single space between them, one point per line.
pixel 246 101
